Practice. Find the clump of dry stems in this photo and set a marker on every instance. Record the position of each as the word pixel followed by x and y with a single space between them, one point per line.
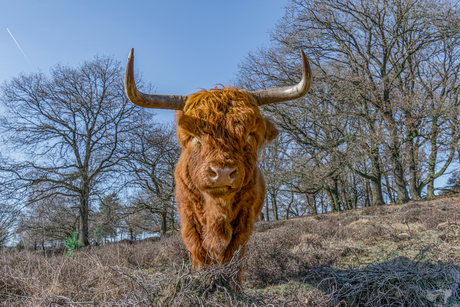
pixel 383 256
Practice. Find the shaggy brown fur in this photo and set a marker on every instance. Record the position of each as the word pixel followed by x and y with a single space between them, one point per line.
pixel 220 128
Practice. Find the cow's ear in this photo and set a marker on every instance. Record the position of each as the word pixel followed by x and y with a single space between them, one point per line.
pixel 187 123
pixel 271 132
pixel 188 130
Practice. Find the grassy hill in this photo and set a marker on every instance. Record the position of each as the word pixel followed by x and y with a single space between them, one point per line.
pixel 405 255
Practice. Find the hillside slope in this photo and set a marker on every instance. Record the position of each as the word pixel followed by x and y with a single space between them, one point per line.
pixel 404 255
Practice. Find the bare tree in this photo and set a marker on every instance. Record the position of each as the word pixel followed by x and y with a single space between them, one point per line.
pixel 151 163
pixel 273 163
pixel 386 72
pixel 108 218
pixel 136 220
pixel 66 130
pixel 49 219
pixel 8 219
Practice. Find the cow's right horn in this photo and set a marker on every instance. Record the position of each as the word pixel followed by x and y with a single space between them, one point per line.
pixel 171 102
pixel 286 93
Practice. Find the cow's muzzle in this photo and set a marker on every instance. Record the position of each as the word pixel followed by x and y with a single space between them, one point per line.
pixel 222 176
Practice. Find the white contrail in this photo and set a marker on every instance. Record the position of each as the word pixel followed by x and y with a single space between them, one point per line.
pixel 18 46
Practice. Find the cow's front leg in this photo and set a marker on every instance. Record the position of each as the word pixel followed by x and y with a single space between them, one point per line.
pixel 238 243
pixel 193 242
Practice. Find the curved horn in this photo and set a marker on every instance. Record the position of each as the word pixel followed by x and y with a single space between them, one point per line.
pixel 288 92
pixel 171 102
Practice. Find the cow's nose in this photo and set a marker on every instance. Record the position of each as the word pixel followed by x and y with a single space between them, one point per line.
pixel 222 176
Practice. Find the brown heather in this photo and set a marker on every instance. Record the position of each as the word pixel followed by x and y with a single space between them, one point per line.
pixel 404 255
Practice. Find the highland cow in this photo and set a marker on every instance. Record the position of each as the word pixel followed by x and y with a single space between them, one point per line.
pixel 219 187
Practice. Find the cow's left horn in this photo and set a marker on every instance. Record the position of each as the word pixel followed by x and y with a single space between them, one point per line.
pixel 286 93
pixel 171 102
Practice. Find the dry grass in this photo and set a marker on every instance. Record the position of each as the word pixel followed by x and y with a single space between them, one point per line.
pixel 383 256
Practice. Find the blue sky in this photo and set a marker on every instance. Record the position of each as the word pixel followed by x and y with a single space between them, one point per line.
pixel 180 46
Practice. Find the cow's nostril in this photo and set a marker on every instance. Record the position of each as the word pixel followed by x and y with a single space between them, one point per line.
pixel 213 173
pixel 233 174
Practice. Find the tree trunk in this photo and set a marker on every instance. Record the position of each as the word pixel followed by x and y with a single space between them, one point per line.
pixel 395 158
pixel 345 196
pixel 171 217
pixel 433 158
pixel 377 193
pixel 84 215
pixel 267 213
pixel 413 177
pixel 333 197
pixel 413 185
pixel 290 204
pixel 376 178
pixel 389 192
pixel 274 207
pixel 374 156
pixel 309 204
pixel 336 195
pixel 131 234
pixel 355 201
pixel 163 223
pixel 432 175
pixel 322 205
pixel 398 173
pixel 367 189
pixel 315 205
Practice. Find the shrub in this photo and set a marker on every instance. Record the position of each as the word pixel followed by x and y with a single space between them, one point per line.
pixel 72 244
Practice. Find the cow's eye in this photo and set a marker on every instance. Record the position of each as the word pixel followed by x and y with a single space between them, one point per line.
pixel 196 142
